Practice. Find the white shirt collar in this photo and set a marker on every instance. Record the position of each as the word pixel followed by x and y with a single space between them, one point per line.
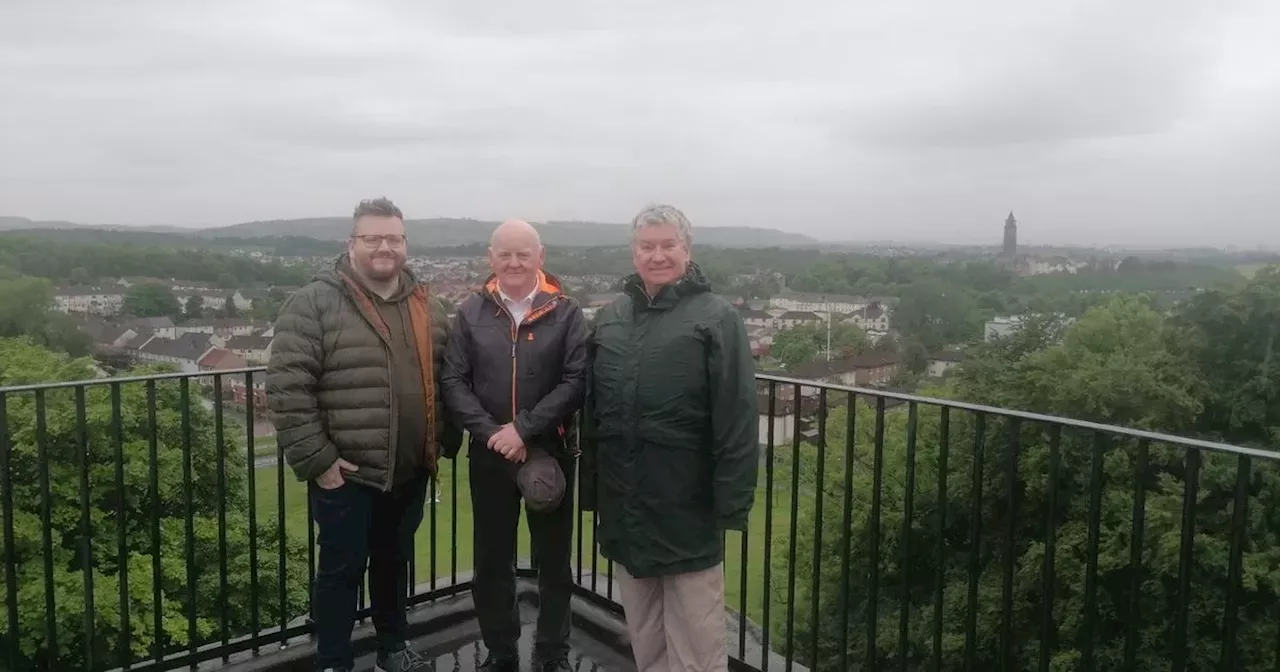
pixel 524 300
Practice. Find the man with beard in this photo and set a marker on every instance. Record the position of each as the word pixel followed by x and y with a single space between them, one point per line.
pixel 514 376
pixel 354 390
pixel 672 448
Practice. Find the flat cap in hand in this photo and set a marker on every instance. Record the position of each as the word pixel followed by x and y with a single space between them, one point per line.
pixel 541 480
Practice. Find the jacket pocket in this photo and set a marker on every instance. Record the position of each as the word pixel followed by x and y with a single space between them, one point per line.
pixel 676 476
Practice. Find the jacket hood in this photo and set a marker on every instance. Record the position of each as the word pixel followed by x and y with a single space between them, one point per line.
pixel 342 266
pixel 694 281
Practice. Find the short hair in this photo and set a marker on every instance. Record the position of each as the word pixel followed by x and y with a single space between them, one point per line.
pixel 376 207
pixel 664 215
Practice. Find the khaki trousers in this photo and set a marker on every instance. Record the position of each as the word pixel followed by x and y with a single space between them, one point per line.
pixel 676 623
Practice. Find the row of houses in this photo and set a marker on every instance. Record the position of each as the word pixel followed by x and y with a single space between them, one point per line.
pixel 107 300
pixel 159 340
pixel 792 414
pixel 822 303
pixel 1008 325
pixel 872 318
pixel 764 324
pixel 194 347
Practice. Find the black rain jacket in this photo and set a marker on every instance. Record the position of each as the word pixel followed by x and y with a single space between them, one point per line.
pixel 532 374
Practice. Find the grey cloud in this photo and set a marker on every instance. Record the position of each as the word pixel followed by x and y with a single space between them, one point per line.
pixel 1106 69
pixel 917 119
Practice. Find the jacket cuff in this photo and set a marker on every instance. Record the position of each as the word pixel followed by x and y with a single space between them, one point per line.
pixel 483 437
pixel 450 441
pixel 521 425
pixel 734 521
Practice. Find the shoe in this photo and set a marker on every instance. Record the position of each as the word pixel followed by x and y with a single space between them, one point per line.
pixel 404 660
pixel 555 665
pixel 495 664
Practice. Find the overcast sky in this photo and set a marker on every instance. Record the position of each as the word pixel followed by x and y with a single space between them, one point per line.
pixel 1095 121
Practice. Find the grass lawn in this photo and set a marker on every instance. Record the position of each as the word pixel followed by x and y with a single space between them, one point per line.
pixel 454 490
pixel 264 446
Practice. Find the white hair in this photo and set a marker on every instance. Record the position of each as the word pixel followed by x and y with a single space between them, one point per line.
pixel 664 215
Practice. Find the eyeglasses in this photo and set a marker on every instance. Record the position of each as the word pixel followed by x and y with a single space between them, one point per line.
pixel 373 242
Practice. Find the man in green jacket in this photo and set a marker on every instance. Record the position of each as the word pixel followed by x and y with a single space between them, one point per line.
pixel 353 386
pixel 670 456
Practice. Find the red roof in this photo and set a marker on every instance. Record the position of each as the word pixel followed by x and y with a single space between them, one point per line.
pixel 222 360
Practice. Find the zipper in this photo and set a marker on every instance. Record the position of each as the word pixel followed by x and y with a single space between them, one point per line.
pixel 515 337
pixel 392 431
pixel 391 394
pixel 530 317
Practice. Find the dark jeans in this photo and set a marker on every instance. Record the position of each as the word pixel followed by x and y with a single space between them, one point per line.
pixel 495 501
pixel 360 524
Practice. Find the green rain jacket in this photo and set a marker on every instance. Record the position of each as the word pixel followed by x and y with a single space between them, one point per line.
pixel 670 445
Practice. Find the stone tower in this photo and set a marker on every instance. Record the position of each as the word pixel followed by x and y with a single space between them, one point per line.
pixel 1010 237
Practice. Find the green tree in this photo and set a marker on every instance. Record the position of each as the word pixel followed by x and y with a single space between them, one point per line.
pixel 56 255
pixel 193 308
pixel 229 308
pixel 1114 365
pixel 915 357
pixel 24 305
pixel 80 276
pixel 227 281
pixel 937 315
pixel 151 300
pixel 263 308
pixel 62 333
pixel 26 309
pixel 137 505
pixel 1233 341
pixel 803 343
pixel 268 307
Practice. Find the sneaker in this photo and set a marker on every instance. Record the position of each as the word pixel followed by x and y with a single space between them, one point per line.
pixel 555 665
pixel 404 660
pixel 495 664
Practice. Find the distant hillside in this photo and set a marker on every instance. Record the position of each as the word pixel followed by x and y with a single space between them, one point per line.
pixel 425 232
pixel 18 223
pixel 450 232
pixel 24 224
pixel 290 246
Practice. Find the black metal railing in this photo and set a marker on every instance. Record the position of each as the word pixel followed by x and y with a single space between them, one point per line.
pixel 149 524
pixel 935 535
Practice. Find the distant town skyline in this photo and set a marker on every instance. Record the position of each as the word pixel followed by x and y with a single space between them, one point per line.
pixel 1002 244
pixel 1145 123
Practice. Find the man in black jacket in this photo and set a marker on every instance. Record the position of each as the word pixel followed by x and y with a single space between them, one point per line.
pixel 514 375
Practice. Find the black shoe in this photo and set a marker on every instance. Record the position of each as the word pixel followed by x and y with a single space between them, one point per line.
pixel 496 664
pixel 555 665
